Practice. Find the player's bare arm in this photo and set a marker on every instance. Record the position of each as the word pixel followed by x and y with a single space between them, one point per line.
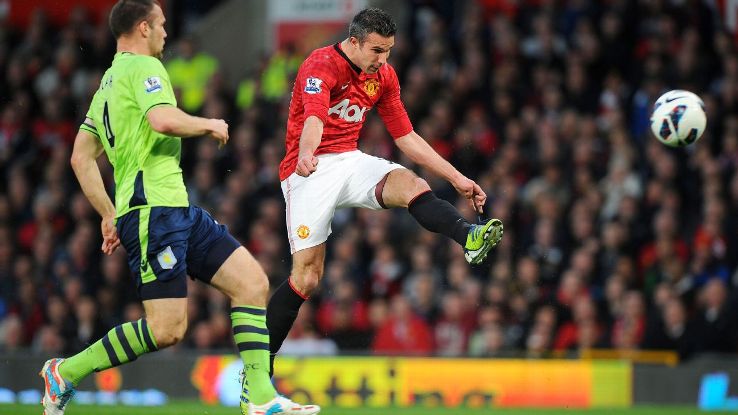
pixel 419 151
pixel 87 149
pixel 170 120
pixel 312 132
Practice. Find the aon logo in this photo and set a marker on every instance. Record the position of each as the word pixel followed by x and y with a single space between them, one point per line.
pixel 350 113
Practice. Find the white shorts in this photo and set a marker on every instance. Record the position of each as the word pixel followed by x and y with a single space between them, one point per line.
pixel 341 180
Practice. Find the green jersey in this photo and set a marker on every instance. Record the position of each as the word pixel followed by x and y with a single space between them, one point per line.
pixel 145 162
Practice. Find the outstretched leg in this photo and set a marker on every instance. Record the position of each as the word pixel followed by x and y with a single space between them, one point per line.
pixel 403 188
pixel 164 325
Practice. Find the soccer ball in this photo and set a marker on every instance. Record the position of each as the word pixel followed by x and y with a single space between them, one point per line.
pixel 678 118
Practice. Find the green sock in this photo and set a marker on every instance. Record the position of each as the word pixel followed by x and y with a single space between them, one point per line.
pixel 252 338
pixel 122 344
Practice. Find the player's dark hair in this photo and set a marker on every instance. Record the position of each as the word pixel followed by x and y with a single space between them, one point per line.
pixel 372 20
pixel 126 14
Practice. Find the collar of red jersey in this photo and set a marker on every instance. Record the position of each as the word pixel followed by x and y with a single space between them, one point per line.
pixel 338 49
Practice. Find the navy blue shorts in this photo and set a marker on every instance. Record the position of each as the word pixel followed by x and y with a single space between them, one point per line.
pixel 178 241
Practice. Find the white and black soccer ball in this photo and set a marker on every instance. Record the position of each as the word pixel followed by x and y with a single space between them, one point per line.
pixel 678 118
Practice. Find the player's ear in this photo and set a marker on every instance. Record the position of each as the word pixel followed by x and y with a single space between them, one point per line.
pixel 143 28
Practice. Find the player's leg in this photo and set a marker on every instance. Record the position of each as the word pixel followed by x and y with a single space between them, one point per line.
pixel 403 188
pixel 307 270
pixel 120 345
pixel 215 257
pixel 243 280
pixel 310 204
pixel 379 184
pixel 167 320
pixel 163 292
pixel 248 292
pixel 164 325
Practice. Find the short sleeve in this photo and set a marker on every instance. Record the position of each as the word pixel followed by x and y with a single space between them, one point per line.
pixel 88 124
pixel 151 84
pixel 315 79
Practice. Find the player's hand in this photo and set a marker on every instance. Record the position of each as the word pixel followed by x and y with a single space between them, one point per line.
pixel 110 235
pixel 471 190
pixel 306 165
pixel 219 131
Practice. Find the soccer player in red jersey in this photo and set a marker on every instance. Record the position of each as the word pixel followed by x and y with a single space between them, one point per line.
pixel 323 170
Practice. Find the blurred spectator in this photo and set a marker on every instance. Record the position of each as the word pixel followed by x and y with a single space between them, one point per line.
pixel 715 322
pixel 629 326
pixel 302 339
pixel 423 291
pixel 403 332
pixel 489 341
pixel 11 334
pixel 540 336
pixel 64 74
pixel 27 307
pixel 344 317
pixel 546 251
pixel 672 330
pixel 453 328
pixel 385 271
pixel 48 341
pixel 60 317
pixel 583 331
pixel 189 73
pixel 281 66
pixel 89 326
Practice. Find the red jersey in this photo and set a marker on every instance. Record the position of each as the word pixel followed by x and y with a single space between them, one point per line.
pixel 332 88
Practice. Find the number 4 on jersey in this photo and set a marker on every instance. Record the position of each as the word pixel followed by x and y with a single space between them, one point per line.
pixel 106 123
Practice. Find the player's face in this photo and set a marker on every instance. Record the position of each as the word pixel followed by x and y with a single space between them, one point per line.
pixel 373 53
pixel 157 34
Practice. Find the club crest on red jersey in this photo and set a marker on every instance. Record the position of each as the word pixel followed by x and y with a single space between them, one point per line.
pixel 371 87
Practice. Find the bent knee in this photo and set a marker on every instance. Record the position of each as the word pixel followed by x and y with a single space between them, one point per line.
pixel 168 334
pixel 171 337
pixel 419 187
pixel 306 279
pixel 251 289
pixel 242 279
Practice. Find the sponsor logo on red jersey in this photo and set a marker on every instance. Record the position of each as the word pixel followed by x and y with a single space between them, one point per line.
pixel 350 113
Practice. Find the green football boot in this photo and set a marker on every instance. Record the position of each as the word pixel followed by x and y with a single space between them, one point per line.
pixel 481 239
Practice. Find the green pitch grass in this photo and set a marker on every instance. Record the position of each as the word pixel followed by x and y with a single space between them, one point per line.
pixel 194 408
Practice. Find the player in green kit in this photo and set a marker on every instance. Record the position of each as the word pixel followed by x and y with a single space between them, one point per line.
pixel 134 119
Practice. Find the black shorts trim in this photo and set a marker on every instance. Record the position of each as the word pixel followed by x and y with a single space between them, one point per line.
pixel 173 288
pixel 216 256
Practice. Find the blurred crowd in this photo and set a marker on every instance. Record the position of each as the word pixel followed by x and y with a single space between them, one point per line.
pixel 612 240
